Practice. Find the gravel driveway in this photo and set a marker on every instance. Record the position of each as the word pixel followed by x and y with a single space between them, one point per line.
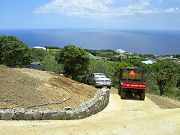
pixel 126 117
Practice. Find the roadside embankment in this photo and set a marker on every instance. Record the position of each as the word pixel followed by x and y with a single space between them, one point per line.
pixel 88 108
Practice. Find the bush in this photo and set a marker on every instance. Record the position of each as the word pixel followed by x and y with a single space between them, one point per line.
pixel 173 92
pixel 38 54
pixel 74 60
pixel 52 65
pixel 164 74
pixel 152 88
pixel 13 52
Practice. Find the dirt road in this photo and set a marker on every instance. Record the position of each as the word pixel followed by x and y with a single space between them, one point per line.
pixel 126 117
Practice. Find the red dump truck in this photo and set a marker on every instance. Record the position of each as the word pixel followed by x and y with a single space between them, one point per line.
pixel 131 82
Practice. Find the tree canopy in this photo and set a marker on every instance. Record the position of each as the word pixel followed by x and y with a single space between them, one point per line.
pixel 165 74
pixel 38 54
pixel 13 51
pixel 74 59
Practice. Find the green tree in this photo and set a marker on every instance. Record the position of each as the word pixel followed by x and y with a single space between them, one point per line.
pixel 75 61
pixel 165 74
pixel 13 51
pixel 38 54
pixel 178 83
pixel 50 62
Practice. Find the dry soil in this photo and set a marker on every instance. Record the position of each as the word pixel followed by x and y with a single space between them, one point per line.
pixel 28 88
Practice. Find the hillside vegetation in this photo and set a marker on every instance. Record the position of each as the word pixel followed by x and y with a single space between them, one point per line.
pixel 163 76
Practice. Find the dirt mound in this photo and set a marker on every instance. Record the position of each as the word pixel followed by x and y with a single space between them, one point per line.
pixel 164 102
pixel 28 88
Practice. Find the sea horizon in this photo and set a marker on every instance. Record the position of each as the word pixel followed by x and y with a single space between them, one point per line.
pixel 157 42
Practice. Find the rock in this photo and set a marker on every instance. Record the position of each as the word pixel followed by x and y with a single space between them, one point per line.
pixel 75 115
pixel 67 115
pixel 7 114
pixel 67 108
pixel 82 113
pixel 1 111
pixel 37 115
pixel 19 115
pixel 47 115
pixel 58 115
pixel 28 115
pixel 92 108
pixel 88 113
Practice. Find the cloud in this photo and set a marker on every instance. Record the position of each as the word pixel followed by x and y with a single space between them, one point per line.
pixel 172 10
pixel 97 9
pixel 81 8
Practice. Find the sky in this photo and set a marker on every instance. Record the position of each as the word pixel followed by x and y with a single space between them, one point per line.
pixel 97 14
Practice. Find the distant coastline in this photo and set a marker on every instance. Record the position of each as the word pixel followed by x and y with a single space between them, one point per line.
pixel 136 41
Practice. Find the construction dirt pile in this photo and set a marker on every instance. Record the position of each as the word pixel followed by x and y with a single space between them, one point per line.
pixel 28 88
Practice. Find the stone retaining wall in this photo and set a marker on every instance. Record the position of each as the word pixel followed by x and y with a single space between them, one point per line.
pixel 93 106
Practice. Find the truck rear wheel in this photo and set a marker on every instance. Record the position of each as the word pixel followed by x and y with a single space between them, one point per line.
pixel 123 94
pixel 142 95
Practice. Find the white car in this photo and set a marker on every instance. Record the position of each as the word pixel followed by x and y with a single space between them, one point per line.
pixel 99 80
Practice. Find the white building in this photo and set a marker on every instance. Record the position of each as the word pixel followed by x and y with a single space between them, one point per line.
pixel 149 61
pixel 120 51
pixel 39 47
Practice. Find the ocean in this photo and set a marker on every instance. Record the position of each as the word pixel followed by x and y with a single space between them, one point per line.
pixel 140 41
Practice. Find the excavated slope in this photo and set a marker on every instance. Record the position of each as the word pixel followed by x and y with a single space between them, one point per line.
pixel 28 88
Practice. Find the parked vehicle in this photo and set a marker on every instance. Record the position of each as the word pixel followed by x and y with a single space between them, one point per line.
pixel 131 82
pixel 99 80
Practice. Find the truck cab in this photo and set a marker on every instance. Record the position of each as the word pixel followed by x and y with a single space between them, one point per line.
pixel 131 82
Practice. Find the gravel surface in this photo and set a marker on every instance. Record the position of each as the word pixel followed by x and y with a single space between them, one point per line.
pixel 120 117
pixel 28 88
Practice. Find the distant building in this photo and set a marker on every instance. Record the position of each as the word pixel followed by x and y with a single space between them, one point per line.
pixel 120 51
pixel 149 62
pixel 39 47
pixel 171 58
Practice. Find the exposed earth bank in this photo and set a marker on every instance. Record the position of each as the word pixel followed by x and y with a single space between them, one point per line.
pixel 28 88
